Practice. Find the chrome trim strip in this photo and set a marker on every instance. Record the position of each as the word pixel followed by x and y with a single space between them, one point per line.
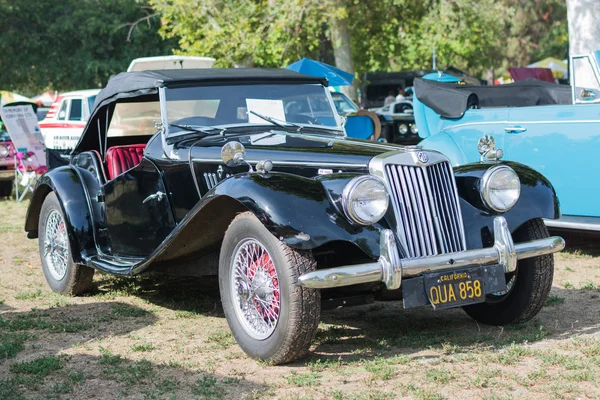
pixel 575 223
pixel 390 270
pixel 287 163
pixel 516 122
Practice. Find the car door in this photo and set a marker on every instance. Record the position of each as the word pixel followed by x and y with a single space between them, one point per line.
pixel 561 142
pixel 137 210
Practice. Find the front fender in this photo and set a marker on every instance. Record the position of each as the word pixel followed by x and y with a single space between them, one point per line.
pixel 67 184
pixel 302 212
pixel 538 200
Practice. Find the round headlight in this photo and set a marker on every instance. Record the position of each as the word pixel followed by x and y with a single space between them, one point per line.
pixel 500 188
pixel 365 200
pixel 414 129
pixel 403 129
pixel 3 151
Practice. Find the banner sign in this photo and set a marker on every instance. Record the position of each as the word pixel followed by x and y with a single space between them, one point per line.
pixel 24 131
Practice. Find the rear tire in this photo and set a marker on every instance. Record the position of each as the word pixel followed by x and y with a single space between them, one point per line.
pixel 529 285
pixel 270 315
pixel 62 274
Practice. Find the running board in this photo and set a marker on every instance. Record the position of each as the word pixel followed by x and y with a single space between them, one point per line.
pixel 117 266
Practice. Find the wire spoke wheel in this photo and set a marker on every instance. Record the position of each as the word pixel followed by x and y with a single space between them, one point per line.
pixel 255 288
pixel 56 251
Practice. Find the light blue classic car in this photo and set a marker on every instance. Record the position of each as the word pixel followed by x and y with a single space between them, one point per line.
pixel 554 129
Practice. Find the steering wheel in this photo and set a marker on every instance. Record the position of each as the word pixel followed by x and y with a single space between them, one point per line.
pixel 302 119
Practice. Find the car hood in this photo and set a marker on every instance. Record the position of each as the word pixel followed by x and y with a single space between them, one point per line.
pixel 297 150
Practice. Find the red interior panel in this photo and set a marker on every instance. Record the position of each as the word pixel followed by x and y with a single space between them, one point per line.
pixel 122 158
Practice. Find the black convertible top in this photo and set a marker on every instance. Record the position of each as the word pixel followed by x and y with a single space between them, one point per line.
pixel 133 84
pixel 143 86
pixel 451 100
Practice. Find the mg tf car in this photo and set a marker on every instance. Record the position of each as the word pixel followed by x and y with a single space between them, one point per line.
pixel 215 172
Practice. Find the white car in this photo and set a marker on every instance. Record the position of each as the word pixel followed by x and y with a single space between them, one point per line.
pixel 64 123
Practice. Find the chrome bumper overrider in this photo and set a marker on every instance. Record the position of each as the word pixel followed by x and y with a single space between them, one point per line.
pixel 390 269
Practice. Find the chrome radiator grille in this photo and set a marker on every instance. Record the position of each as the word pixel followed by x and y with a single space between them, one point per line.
pixel 426 205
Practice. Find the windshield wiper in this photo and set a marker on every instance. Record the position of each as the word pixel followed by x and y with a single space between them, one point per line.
pixel 205 130
pixel 275 121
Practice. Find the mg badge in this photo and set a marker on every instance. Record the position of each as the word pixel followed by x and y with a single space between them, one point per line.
pixel 423 157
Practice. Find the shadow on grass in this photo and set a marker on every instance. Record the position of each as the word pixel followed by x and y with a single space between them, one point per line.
pixel 580 243
pixel 381 329
pixel 186 294
pixel 31 365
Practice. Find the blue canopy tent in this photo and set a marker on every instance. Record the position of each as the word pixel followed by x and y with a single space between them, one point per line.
pixel 335 76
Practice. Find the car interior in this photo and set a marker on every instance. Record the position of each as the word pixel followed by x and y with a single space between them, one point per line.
pixel 125 142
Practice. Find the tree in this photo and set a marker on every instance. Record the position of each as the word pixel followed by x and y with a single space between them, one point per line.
pixel 584 26
pixel 73 44
pixel 242 32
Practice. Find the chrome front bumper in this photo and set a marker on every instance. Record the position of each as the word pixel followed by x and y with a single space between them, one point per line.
pixel 390 269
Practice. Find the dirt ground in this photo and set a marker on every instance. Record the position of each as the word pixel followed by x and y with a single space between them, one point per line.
pixel 168 339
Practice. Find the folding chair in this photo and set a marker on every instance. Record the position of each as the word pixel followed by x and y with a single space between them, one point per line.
pixel 26 173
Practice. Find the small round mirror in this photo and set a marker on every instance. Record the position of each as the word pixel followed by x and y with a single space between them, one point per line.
pixel 233 154
pixel 485 144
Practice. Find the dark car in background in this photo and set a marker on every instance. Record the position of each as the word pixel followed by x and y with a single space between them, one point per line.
pixel 237 179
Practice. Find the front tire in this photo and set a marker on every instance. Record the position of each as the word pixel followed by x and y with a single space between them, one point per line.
pixel 270 315
pixel 62 274
pixel 527 288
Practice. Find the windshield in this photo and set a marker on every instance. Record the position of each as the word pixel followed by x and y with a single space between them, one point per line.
pixel 246 105
pixel 343 105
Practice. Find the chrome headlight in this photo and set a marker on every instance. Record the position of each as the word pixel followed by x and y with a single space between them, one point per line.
pixel 3 151
pixel 414 129
pixel 365 200
pixel 403 128
pixel 500 188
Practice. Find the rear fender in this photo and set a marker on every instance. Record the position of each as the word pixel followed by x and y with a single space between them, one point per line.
pixel 67 183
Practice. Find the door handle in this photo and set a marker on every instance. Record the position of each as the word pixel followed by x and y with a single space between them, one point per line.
pixel 515 129
pixel 158 196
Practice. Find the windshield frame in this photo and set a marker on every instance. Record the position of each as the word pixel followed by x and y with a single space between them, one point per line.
pixel 337 130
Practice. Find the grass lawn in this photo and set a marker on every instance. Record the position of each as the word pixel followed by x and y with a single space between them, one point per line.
pixel 153 338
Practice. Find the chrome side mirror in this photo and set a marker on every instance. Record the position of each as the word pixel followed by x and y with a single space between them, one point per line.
pixel 233 154
pixel 487 148
pixel 587 95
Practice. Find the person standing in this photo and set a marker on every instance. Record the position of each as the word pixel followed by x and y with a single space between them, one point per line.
pixel 390 98
pixel 401 95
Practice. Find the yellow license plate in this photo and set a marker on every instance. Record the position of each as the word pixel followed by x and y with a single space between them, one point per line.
pixel 456 288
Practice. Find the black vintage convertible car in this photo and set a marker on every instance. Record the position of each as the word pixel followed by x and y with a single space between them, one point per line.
pixel 221 172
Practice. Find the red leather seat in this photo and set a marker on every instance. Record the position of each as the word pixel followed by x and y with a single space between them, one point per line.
pixel 122 158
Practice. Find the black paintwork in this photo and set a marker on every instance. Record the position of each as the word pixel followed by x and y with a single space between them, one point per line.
pixel 111 228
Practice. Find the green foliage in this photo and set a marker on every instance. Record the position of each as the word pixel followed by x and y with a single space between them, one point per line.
pixel 242 32
pixel 40 366
pixel 76 44
pixel 72 44
pixel 385 35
